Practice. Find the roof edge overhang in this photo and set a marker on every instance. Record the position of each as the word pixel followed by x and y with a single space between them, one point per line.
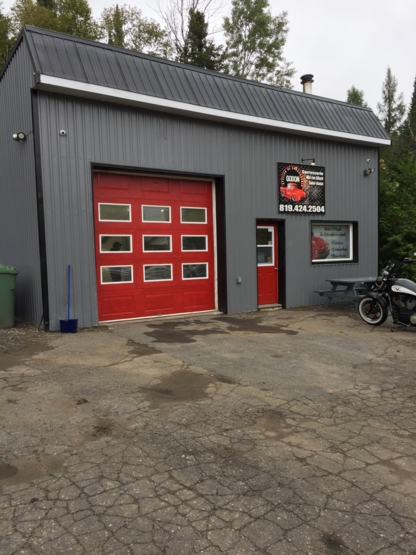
pixel 102 93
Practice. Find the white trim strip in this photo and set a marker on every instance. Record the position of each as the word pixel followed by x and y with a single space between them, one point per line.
pixel 57 84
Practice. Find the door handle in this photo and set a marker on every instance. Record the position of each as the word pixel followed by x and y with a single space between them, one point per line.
pixel 276 269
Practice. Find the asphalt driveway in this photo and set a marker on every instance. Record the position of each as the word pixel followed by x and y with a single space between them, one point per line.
pixel 281 432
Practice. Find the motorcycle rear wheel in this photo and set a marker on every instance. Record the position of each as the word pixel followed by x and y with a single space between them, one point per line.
pixel 372 311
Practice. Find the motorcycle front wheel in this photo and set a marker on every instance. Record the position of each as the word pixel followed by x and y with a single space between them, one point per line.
pixel 372 311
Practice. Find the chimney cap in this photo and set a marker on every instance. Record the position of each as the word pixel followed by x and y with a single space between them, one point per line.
pixel 307 78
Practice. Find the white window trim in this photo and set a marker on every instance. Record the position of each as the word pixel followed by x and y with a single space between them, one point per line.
pixel 156 221
pixel 195 264
pixel 331 260
pixel 113 204
pixel 157 280
pixel 194 208
pixel 195 250
pixel 118 235
pixel 116 266
pixel 266 264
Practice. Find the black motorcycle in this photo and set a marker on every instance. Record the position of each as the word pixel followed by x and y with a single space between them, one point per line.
pixel 393 294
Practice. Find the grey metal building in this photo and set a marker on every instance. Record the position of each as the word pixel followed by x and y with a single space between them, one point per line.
pixel 172 189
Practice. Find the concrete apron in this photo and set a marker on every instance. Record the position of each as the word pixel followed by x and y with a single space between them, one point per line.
pixel 276 432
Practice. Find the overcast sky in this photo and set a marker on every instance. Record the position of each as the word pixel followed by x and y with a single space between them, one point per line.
pixel 342 43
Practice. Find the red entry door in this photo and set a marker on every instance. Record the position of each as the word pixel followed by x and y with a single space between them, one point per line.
pixel 267 270
pixel 154 246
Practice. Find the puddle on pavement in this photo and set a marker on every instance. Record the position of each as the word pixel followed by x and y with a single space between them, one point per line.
pixel 253 325
pixel 273 424
pixel 185 332
pixel 140 350
pixel 180 387
pixel 179 332
pixel 27 469
pixel 20 348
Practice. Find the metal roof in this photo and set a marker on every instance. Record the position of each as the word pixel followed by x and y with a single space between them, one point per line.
pixel 91 68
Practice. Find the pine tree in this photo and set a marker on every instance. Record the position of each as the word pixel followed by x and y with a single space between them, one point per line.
pixel 408 136
pixel 198 49
pixel 255 41
pixel 355 96
pixel 392 107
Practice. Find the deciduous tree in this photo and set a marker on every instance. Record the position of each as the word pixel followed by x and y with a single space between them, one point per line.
pixel 254 42
pixel 29 12
pixel 5 42
pixel 75 18
pixel 126 26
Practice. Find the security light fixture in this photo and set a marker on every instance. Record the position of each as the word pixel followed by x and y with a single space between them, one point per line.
pixel 20 136
pixel 367 171
pixel 311 160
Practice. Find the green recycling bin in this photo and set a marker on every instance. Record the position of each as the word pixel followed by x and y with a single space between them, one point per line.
pixel 7 284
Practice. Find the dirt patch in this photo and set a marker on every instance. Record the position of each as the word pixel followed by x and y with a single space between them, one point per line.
pixel 20 343
pixel 180 387
pixel 333 545
pixel 23 470
pixel 109 426
pixel 273 424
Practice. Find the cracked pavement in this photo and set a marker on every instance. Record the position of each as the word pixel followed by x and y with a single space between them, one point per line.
pixel 276 432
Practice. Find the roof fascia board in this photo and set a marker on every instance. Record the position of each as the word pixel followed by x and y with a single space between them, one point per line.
pixel 98 92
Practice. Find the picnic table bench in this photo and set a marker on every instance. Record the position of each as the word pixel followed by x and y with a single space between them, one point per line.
pixel 346 289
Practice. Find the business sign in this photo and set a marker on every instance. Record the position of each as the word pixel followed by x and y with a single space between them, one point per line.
pixel 332 242
pixel 301 188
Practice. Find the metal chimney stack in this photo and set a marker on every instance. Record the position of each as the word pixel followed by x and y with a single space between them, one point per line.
pixel 306 81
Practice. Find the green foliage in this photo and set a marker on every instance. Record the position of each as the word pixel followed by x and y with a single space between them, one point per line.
pixel 125 26
pixel 355 96
pixel 198 49
pixel 392 107
pixel 49 4
pixel 398 210
pixel 254 43
pixel 75 18
pixel 5 41
pixel 29 12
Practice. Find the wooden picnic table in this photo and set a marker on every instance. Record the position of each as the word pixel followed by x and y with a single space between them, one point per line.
pixel 346 289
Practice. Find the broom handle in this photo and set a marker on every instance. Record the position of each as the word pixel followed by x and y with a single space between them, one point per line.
pixel 69 289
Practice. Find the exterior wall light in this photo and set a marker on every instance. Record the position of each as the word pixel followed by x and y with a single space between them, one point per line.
pixel 368 171
pixel 311 160
pixel 20 136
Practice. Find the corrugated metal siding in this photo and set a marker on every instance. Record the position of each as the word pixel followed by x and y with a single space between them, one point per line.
pixel 19 244
pixel 247 158
pixel 77 59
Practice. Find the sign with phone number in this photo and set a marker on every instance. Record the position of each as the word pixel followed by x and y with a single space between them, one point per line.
pixel 301 188
pixel 302 208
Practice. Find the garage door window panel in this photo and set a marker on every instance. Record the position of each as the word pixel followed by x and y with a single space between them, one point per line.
pixel 114 212
pixel 116 243
pixel 157 243
pixel 195 271
pixel 193 215
pixel 157 272
pixel 156 214
pixel 116 274
pixel 196 243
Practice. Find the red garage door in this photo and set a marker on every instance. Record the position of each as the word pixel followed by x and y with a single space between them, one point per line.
pixel 154 246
